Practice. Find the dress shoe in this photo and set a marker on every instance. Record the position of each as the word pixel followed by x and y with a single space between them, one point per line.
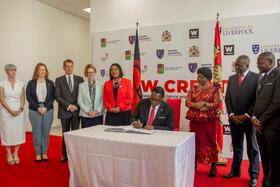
pixel 213 171
pixel 38 158
pixel 45 158
pixel 253 182
pixel 230 175
pixel 64 159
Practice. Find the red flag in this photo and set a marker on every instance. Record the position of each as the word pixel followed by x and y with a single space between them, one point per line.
pixel 217 80
pixel 137 92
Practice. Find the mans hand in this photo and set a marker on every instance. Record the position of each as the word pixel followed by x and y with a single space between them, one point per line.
pixel 149 127
pixel 242 118
pixel 137 125
pixel 235 119
pixel 92 114
pixel 73 108
pixel 257 124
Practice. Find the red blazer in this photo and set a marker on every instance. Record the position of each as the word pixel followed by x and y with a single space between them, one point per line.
pixel 124 96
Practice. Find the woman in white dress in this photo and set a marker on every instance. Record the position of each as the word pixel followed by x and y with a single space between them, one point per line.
pixel 12 117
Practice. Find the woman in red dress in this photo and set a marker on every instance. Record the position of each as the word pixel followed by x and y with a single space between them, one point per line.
pixel 203 101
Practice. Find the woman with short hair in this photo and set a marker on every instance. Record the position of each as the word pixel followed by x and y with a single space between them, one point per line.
pixel 90 99
pixel 12 117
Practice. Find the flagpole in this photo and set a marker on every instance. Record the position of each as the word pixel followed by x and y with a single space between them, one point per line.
pixel 218 15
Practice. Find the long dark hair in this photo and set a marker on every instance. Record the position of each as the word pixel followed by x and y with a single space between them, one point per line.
pixel 119 68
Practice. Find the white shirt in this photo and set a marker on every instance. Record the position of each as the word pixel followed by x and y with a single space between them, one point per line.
pixel 41 91
pixel 72 79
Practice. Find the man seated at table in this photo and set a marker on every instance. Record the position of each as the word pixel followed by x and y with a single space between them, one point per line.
pixel 153 113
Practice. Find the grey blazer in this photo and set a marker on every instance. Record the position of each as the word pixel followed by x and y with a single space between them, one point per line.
pixel 84 100
pixel 65 97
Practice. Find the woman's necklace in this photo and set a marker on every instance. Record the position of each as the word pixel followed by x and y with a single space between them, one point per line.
pixel 116 84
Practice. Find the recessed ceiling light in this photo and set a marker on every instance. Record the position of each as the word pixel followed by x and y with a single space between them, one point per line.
pixel 87 10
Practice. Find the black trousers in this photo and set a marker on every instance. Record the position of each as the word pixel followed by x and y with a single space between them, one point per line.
pixel 68 124
pixel 118 119
pixel 269 143
pixel 237 135
pixel 89 122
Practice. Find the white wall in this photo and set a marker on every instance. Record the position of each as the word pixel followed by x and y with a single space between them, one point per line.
pixel 33 32
pixel 118 14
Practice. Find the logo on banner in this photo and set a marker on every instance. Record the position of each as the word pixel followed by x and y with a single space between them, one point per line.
pixel 255 48
pixel 237 30
pixel 278 63
pixel 128 55
pixel 226 129
pixel 160 53
pixel 103 42
pixel 166 36
pixel 192 67
pixel 194 51
pixel 160 68
pixel 104 58
pixel 131 39
pixel 228 49
pixel 193 33
pixel 102 72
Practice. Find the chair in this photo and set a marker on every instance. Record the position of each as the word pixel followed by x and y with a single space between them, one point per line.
pixel 176 106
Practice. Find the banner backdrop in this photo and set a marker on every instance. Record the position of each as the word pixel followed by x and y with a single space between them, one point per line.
pixel 171 54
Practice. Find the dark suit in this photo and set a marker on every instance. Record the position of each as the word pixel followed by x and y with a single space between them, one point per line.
pixel 164 119
pixel 64 97
pixel 240 100
pixel 267 110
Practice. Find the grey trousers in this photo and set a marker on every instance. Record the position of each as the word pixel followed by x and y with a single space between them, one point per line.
pixel 41 127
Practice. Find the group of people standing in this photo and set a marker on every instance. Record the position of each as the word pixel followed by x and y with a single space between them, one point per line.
pixel 78 101
pixel 252 101
pixel 253 106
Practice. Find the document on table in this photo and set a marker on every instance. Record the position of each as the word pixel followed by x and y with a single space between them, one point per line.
pixel 130 130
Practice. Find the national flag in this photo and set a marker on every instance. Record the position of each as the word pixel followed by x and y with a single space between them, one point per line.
pixel 137 92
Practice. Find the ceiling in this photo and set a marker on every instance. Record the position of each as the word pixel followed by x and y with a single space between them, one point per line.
pixel 71 6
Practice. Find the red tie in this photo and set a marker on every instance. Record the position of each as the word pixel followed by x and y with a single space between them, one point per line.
pixel 151 116
pixel 240 79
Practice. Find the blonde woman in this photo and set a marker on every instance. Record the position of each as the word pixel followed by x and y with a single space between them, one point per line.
pixel 12 118
pixel 90 99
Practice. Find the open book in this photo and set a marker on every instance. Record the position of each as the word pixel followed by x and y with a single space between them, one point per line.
pixel 132 131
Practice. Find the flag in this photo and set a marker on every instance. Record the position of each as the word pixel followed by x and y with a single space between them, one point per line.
pixel 217 80
pixel 137 92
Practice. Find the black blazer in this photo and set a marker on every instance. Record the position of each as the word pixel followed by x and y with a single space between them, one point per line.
pixel 32 98
pixel 164 118
pixel 65 97
pixel 240 99
pixel 267 106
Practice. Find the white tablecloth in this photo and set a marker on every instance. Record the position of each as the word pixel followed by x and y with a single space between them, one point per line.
pixel 109 159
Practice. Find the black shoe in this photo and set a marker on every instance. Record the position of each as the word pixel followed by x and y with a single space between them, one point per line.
pixel 64 159
pixel 213 171
pixel 230 175
pixel 253 182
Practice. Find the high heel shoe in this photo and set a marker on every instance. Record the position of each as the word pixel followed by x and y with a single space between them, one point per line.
pixel 213 171
pixel 10 160
pixel 17 160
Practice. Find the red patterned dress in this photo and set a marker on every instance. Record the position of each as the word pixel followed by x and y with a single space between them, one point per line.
pixel 204 124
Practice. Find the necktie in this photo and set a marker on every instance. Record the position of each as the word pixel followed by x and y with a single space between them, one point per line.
pixel 240 79
pixel 92 93
pixel 70 84
pixel 263 79
pixel 151 116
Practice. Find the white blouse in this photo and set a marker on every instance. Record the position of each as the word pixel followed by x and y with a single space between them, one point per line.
pixel 41 91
